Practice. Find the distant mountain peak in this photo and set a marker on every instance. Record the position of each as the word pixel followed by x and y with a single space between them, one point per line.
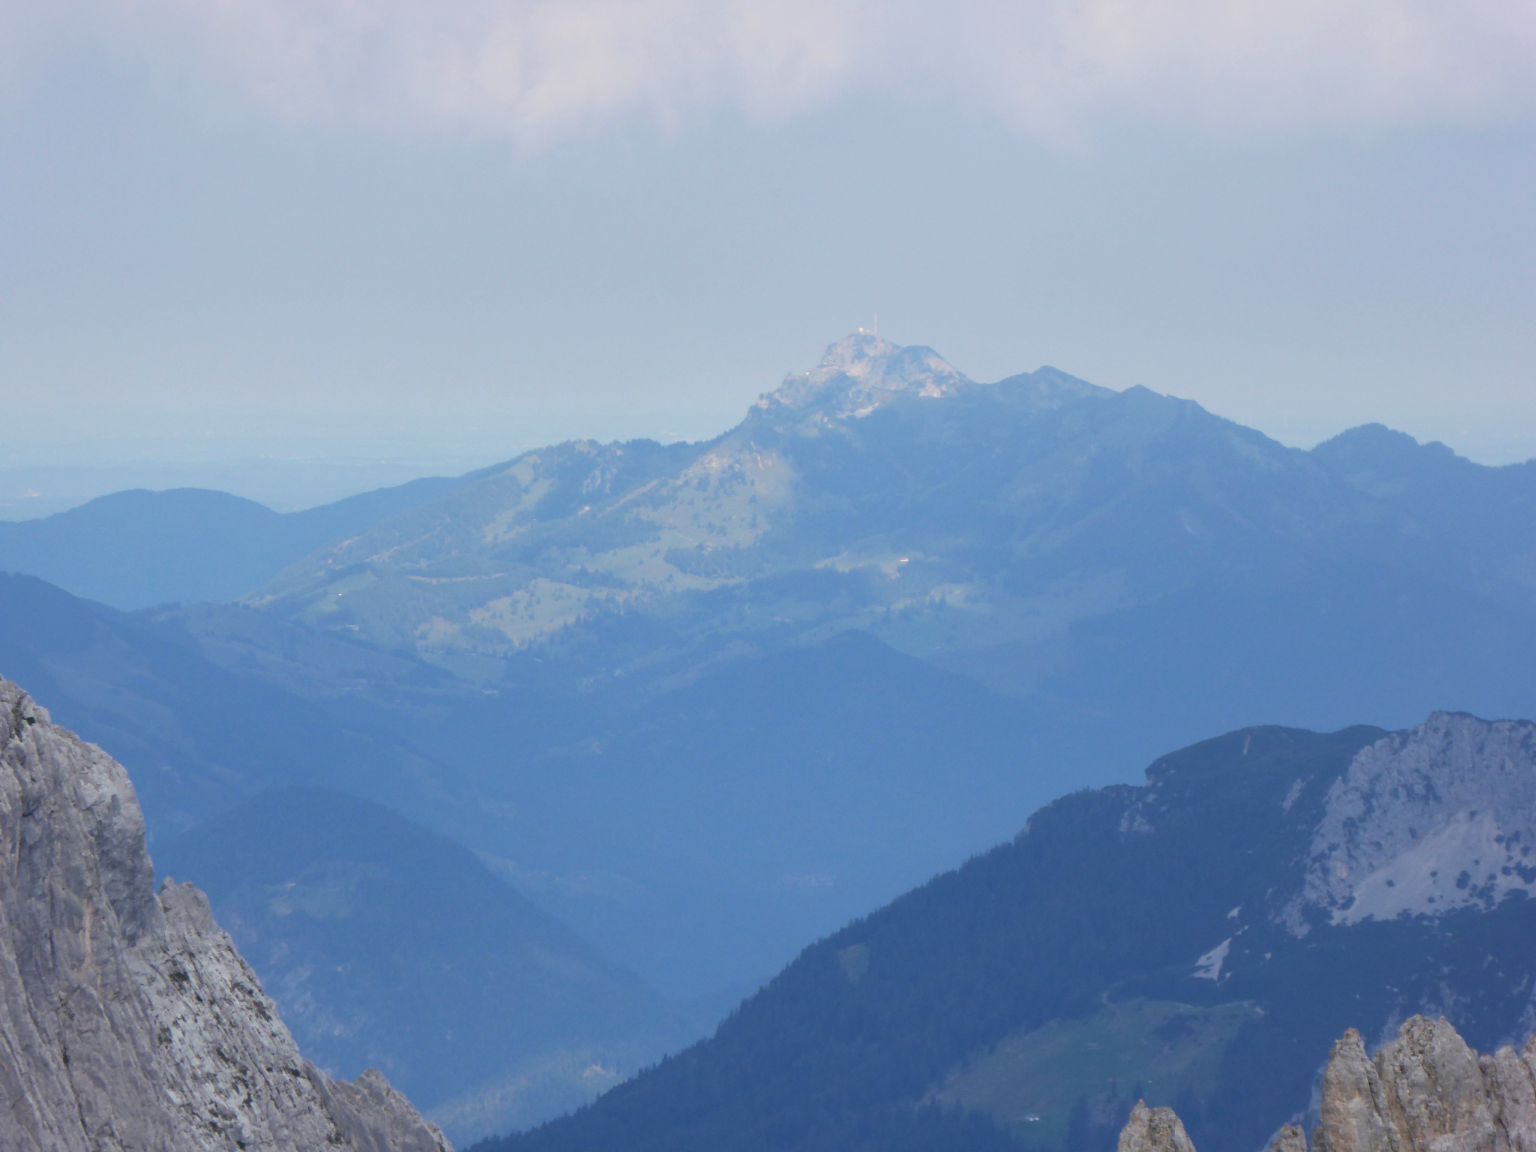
pixel 861 371
pixel 1373 439
pixel 1376 445
pixel 855 352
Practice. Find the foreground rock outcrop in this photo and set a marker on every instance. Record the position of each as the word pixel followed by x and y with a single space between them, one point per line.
pixel 1154 1130
pixel 1426 1091
pixel 127 1019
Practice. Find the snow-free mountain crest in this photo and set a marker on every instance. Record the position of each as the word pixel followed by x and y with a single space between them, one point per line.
pixel 883 490
pixel 861 371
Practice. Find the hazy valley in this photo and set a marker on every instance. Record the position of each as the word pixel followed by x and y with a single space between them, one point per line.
pixel 662 715
pixel 479 670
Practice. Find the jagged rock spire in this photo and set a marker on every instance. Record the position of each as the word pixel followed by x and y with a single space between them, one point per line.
pixel 1154 1130
pixel 1427 1091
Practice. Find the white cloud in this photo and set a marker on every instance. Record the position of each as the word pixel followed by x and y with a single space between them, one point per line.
pixel 532 69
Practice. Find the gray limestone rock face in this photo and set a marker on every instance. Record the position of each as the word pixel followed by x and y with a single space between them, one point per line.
pixel 128 1021
pixel 1427 1091
pixel 1154 1130
pixel 1426 821
pixel 1354 1106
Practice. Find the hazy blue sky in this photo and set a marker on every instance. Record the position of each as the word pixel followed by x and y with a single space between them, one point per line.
pixel 441 232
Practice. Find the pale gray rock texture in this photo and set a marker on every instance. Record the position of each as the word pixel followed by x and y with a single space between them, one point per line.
pixel 1154 1130
pixel 128 1022
pixel 1426 1091
pixel 1440 817
pixel 862 371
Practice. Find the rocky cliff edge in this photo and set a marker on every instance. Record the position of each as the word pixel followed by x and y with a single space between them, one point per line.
pixel 128 1021
pixel 1426 1091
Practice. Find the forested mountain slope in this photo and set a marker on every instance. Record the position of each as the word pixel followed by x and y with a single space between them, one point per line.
pixel 886 491
pixel 1196 941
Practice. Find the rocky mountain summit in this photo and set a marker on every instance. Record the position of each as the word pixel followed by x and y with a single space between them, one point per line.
pixel 1154 1130
pixel 860 372
pixel 1426 1091
pixel 886 490
pixel 127 1019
